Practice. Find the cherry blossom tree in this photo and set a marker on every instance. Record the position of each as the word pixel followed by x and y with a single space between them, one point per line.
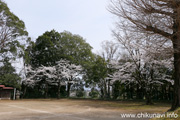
pixel 110 51
pixel 67 73
pixel 42 76
pixel 142 68
pixel 155 22
pixel 60 74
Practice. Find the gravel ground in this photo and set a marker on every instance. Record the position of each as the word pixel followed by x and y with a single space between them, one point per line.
pixel 63 109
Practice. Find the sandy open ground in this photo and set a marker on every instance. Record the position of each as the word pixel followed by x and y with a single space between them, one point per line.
pixel 67 109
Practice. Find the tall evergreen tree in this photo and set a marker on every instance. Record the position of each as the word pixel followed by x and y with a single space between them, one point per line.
pixel 12 31
pixel 8 75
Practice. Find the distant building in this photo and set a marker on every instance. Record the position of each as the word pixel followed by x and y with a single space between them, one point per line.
pixel 5 92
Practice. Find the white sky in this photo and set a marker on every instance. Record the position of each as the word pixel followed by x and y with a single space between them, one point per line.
pixel 88 18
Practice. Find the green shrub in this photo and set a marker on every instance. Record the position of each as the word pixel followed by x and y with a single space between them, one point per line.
pixel 79 93
pixel 94 94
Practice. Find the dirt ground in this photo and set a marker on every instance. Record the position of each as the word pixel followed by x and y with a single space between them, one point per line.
pixel 72 109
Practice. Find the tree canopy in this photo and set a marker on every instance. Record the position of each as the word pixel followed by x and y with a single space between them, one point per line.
pixel 13 36
pixel 12 29
pixel 52 46
pixel 8 75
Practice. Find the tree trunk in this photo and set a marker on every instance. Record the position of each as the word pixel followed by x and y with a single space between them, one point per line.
pixel 148 95
pixel 131 91
pixel 59 90
pixel 108 92
pixel 68 89
pixel 46 91
pixel 176 47
pixel 162 92
pixel 137 92
pixel 102 93
pixel 176 99
pixel 105 90
pixel 24 92
pixel 148 98
pixel 169 93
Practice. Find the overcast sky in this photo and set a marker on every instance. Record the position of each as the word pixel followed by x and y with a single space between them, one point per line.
pixel 88 18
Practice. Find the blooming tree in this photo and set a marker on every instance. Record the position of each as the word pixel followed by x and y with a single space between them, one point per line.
pixel 155 22
pixel 145 66
pixel 144 71
pixel 66 73
pixel 42 76
pixel 60 74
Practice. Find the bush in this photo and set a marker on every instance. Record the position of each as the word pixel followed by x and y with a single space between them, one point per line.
pixel 79 93
pixel 94 94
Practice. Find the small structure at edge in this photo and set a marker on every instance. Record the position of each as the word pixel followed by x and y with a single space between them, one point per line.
pixel 5 92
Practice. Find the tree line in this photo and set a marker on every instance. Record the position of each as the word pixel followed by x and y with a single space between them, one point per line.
pixel 142 62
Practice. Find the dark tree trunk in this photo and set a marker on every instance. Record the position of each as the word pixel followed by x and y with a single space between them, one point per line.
pixel 162 92
pixel 131 91
pixel 59 90
pixel 176 100
pixel 137 92
pixel 169 93
pixel 105 90
pixel 46 91
pixel 165 93
pixel 24 91
pixel 102 93
pixel 148 95
pixel 176 47
pixel 108 92
pixel 68 89
pixel 148 98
